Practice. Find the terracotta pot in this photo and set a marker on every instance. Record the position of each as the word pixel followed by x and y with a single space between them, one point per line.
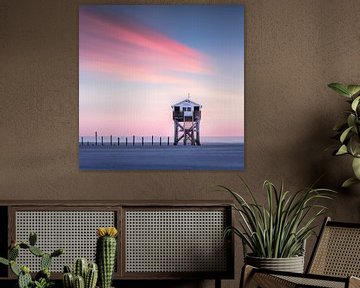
pixel 291 264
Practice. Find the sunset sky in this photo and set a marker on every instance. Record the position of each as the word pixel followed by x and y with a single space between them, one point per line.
pixel 138 60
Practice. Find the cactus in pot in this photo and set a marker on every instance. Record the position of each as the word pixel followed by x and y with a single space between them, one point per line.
pixel 106 254
pixel 85 275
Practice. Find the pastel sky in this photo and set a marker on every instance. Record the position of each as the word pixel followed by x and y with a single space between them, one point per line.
pixel 138 60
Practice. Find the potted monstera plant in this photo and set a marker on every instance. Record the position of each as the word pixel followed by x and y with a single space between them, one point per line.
pixel 348 133
pixel 274 234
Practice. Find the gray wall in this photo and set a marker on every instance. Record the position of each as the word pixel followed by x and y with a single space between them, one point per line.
pixel 293 50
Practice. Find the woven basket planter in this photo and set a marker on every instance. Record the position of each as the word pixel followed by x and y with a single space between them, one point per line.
pixel 291 264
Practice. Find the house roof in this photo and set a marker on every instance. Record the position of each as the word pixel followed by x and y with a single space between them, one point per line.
pixel 187 101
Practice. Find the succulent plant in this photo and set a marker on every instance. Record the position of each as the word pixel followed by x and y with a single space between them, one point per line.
pixel 42 283
pixel 106 254
pixel 42 278
pixel 85 275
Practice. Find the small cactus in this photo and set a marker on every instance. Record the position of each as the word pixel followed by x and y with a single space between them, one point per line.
pixel 89 272
pixel 91 276
pixel 106 254
pixel 79 282
pixel 13 253
pixel 36 251
pixel 32 238
pixel 68 280
pixel 57 252
pixel 80 268
pixel 45 261
pixel 24 278
pixel 67 269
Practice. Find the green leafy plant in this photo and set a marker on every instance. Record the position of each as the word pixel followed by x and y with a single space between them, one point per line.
pixel 348 133
pixel 279 229
pixel 43 283
pixel 42 278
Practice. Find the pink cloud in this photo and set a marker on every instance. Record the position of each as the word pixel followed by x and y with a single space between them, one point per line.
pixel 132 52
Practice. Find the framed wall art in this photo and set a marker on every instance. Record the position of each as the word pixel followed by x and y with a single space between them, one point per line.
pixel 161 87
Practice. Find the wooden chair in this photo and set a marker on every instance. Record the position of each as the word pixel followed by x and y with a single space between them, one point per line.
pixel 334 263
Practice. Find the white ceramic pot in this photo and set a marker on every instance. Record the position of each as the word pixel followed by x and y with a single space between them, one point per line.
pixel 291 264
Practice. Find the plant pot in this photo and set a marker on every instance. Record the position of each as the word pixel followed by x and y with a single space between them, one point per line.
pixel 291 264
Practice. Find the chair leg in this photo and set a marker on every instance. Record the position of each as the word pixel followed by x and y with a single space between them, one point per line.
pixel 217 283
pixel 246 273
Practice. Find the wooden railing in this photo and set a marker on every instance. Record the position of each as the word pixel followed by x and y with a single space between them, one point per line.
pixel 179 115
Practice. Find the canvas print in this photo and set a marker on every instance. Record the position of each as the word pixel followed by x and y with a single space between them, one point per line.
pixel 161 87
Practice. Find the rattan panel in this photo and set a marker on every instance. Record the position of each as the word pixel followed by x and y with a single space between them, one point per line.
pixel 312 282
pixel 338 253
pixel 75 231
pixel 175 241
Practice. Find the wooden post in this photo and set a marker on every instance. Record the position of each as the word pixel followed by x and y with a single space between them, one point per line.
pixel 142 141
pixel 118 141
pixel 152 140
pixel 175 132
pixel 82 141
pixel 126 141
pixel 192 137
pixel 110 140
pixel 160 141
pixel 168 141
pixel 102 140
pixel 133 140
pixel 95 138
pixel 87 143
pixel 198 132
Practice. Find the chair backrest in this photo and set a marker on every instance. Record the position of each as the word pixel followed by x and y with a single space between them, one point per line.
pixel 337 251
